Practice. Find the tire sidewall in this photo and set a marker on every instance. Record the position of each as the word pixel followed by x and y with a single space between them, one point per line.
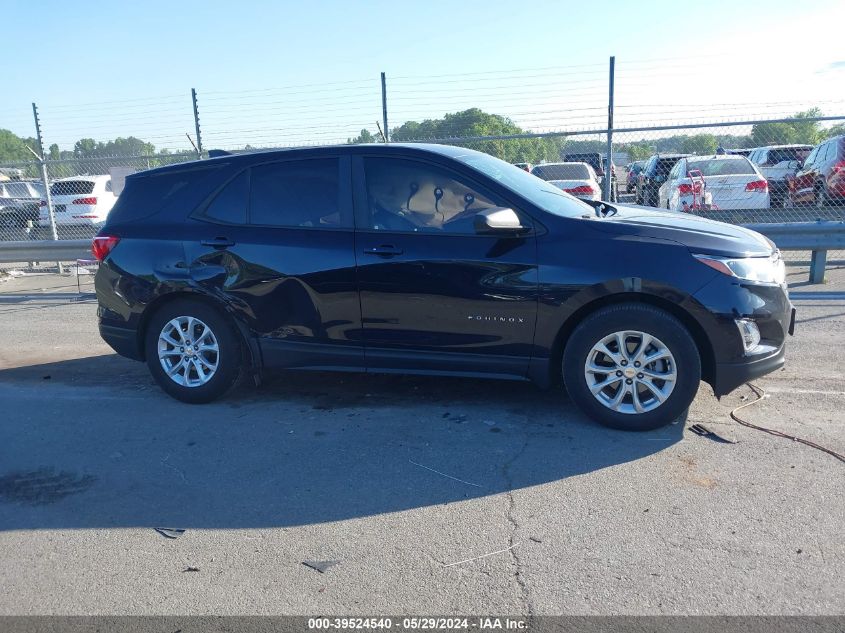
pixel 643 318
pixel 229 363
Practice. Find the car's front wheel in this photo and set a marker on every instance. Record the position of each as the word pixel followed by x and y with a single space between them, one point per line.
pixel 632 366
pixel 192 351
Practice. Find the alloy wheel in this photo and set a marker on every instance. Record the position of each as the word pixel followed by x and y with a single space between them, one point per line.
pixel 630 372
pixel 188 351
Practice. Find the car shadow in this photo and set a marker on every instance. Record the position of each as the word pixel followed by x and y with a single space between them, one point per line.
pixel 93 443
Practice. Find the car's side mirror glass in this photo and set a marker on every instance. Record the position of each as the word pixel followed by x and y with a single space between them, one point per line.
pixel 498 220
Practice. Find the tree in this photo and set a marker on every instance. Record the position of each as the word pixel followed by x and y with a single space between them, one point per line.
pixel 700 144
pixel 364 137
pixel 13 148
pixel 807 131
pixel 835 130
pixel 637 151
pixel 796 131
pixel 475 122
pixel 131 146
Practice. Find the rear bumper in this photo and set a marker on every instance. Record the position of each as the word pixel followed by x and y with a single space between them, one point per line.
pixel 122 340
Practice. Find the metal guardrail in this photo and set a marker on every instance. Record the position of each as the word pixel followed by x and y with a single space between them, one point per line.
pixel 817 237
pixel 45 251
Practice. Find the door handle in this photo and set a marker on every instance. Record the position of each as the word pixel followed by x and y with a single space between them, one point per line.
pixel 386 250
pixel 218 242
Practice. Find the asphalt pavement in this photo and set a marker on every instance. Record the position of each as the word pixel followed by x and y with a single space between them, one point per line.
pixel 428 495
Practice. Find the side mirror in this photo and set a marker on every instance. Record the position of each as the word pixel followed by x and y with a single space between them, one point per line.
pixel 497 220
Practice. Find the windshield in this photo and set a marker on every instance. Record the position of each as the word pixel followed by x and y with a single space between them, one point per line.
pixel 564 171
pixel 721 167
pixel 539 192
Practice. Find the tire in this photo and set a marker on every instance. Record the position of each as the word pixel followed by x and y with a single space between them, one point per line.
pixel 666 333
pixel 190 385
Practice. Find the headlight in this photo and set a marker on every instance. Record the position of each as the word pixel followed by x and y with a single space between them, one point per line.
pixel 765 269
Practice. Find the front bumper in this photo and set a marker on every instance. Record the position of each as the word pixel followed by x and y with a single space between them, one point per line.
pixel 729 376
pixel 726 299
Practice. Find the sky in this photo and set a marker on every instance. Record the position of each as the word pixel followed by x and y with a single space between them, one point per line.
pixel 287 73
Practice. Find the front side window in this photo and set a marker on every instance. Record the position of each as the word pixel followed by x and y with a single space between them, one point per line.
pixel 303 193
pixel 535 190
pixel 406 195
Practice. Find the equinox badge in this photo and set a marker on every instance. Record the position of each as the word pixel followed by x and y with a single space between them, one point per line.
pixel 496 319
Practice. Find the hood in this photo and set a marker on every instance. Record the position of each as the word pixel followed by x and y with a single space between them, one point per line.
pixel 700 235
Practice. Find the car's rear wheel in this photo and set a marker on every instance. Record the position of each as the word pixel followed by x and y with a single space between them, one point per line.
pixel 192 351
pixel 632 366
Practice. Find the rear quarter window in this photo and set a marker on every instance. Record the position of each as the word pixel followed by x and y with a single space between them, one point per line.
pixel 146 194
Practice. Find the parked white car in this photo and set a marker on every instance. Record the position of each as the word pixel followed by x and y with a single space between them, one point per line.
pixel 84 200
pixel 576 179
pixel 714 182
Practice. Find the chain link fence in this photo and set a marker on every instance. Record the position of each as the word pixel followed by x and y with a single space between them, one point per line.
pixel 768 161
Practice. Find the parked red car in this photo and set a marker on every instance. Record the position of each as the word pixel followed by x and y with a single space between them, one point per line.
pixel 821 180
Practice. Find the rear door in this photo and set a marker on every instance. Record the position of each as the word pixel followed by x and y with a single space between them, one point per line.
pixel 276 243
pixel 435 294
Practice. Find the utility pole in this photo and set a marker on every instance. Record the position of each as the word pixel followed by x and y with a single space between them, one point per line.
pixel 197 122
pixel 608 168
pixel 386 131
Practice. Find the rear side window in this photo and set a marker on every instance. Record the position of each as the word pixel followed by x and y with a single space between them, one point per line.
pixel 229 206
pixel 71 187
pixel 302 193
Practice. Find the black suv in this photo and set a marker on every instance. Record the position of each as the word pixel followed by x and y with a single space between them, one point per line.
pixel 431 259
pixel 653 175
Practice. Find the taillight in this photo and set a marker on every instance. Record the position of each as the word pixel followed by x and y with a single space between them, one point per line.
pixel 85 201
pixel 581 190
pixel 840 166
pixel 757 185
pixel 686 189
pixel 102 245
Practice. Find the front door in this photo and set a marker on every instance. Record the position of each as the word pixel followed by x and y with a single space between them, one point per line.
pixel 435 294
